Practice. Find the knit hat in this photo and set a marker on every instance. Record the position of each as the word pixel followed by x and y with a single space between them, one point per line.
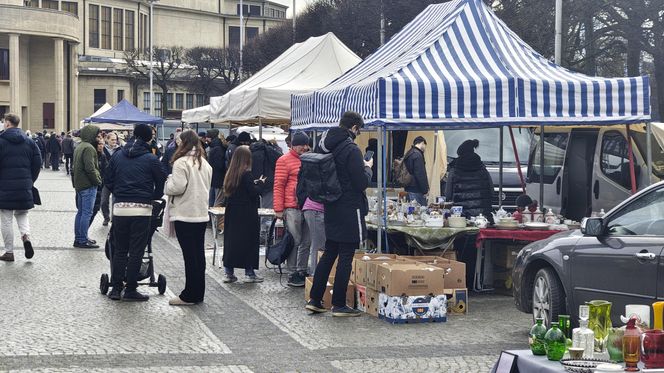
pixel 299 138
pixel 467 147
pixel 213 133
pixel 201 134
pixel 143 132
pixel 244 137
pixel 419 139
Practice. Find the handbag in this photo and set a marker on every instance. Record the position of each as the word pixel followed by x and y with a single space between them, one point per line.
pixel 168 225
pixel 278 253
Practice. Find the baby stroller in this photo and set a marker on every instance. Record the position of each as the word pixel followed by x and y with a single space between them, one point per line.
pixel 147 266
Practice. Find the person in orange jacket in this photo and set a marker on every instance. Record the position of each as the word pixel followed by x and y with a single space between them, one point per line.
pixel 286 207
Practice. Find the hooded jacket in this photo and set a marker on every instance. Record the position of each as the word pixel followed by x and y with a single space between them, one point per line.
pixel 86 172
pixel 415 164
pixel 344 218
pixel 469 185
pixel 53 145
pixel 135 174
pixel 67 146
pixel 20 162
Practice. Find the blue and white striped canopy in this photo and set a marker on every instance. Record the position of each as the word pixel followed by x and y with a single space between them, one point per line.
pixel 457 64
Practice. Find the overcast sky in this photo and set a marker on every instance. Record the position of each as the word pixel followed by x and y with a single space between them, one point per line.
pixel 300 4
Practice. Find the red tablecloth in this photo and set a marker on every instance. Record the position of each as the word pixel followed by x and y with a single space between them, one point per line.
pixel 515 235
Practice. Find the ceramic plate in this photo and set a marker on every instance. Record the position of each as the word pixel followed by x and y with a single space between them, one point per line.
pixel 582 365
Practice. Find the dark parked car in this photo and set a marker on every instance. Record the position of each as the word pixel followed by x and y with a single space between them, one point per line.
pixel 618 258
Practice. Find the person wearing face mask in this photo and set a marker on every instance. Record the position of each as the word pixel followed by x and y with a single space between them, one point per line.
pixel 286 207
pixel 345 227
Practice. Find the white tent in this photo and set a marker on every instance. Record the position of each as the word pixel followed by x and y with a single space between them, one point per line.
pixel 196 115
pixel 302 68
pixel 97 113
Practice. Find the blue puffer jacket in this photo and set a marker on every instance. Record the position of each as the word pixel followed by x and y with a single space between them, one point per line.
pixel 135 174
pixel 20 162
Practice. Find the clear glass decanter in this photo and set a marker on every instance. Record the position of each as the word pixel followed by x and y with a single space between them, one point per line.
pixel 583 336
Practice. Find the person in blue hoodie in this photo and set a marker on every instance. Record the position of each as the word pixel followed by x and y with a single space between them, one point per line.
pixel 20 163
pixel 135 177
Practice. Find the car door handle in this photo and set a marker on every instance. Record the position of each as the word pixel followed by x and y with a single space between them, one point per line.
pixel 558 185
pixel 596 189
pixel 646 256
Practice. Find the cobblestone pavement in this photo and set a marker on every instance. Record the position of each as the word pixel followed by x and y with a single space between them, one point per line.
pixel 55 319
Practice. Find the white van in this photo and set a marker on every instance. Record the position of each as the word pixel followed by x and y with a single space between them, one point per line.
pixel 586 169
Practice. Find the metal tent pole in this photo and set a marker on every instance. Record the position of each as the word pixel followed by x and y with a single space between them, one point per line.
pixel 630 155
pixel 379 190
pixel 541 170
pixel 649 151
pixel 500 172
pixel 518 161
pixel 260 128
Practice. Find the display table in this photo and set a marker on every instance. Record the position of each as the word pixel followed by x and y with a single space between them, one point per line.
pixel 427 238
pixel 215 214
pixel 526 362
pixel 483 278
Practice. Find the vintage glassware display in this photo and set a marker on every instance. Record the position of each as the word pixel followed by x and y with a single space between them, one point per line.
pixel 652 349
pixel 600 322
pixel 582 336
pixel 565 325
pixel 536 338
pixel 631 346
pixel 658 315
pixel 555 343
pixel 614 344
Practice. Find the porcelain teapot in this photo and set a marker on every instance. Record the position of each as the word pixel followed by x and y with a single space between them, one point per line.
pixel 500 214
pixel 481 221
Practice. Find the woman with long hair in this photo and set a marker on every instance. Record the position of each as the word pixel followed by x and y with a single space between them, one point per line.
pixel 187 189
pixel 242 225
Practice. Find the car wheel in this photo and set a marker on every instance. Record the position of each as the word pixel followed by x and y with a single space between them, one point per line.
pixel 548 296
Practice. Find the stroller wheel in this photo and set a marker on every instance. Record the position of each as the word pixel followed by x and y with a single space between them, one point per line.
pixel 161 284
pixel 104 284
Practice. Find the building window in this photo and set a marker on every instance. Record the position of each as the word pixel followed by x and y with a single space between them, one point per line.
pixel 50 4
pixel 4 64
pixel 69 6
pixel 48 114
pixel 250 33
pixel 118 15
pixel 120 95
pixel 146 102
pixel 99 98
pixel 234 35
pixel 105 27
pixel 32 4
pixel 129 30
pixel 94 26
pixel 190 101
pixel 169 101
pixel 179 101
pixel 143 32
pixel 200 100
pixel 249 10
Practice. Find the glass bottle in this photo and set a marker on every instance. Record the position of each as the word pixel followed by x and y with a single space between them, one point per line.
pixel 536 338
pixel 582 336
pixel 555 343
pixel 631 346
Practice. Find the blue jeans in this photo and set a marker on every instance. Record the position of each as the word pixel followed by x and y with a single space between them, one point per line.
pixel 247 271
pixel 85 199
pixel 419 197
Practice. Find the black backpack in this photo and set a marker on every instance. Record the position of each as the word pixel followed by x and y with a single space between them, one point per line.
pixel 318 177
pixel 278 253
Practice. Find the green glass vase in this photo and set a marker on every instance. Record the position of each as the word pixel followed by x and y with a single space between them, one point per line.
pixel 555 343
pixel 536 338
pixel 600 322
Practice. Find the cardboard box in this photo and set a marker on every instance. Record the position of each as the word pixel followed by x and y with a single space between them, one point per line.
pixel 455 273
pixel 429 259
pixel 424 308
pixel 361 297
pixel 457 301
pixel 360 271
pixel 327 296
pixel 372 300
pixel 406 278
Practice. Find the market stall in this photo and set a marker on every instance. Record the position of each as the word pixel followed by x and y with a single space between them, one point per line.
pixel 124 113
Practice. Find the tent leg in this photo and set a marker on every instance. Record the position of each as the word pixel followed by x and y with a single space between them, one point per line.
pixel 649 151
pixel 630 154
pixel 260 128
pixel 541 173
pixel 500 171
pixel 518 162
pixel 379 190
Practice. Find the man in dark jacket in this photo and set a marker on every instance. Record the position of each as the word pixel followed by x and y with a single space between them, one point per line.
pixel 41 144
pixel 216 151
pixel 68 151
pixel 20 162
pixel 414 162
pixel 135 178
pixel 244 138
pixel 264 156
pixel 54 148
pixel 345 227
pixel 86 177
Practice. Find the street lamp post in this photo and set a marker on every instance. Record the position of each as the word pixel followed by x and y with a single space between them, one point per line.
pixel 241 38
pixel 151 58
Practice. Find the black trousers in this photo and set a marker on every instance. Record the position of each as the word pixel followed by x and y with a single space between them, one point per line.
pixel 191 237
pixel 345 252
pixel 55 161
pixel 130 237
pixel 69 158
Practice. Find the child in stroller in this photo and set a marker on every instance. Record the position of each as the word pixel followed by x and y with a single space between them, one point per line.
pixel 147 266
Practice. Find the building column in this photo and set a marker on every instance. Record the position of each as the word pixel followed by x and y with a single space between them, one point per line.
pixel 59 64
pixel 14 77
pixel 73 84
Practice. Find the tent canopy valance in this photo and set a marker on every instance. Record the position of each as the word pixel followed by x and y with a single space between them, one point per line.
pixel 197 115
pixel 124 113
pixel 458 65
pixel 302 68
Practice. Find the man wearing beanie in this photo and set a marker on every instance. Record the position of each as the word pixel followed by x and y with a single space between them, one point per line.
pixel 414 163
pixel 216 154
pixel 287 208
pixel 244 138
pixel 135 178
pixel 86 177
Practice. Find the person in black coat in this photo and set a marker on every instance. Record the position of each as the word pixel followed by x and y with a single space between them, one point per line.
pixel 20 163
pixel 373 146
pixel 54 148
pixel 41 144
pixel 469 184
pixel 241 234
pixel 244 138
pixel 345 227
pixel 216 154
pixel 416 166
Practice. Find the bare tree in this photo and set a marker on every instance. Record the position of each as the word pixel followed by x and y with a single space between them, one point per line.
pixel 212 67
pixel 167 68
